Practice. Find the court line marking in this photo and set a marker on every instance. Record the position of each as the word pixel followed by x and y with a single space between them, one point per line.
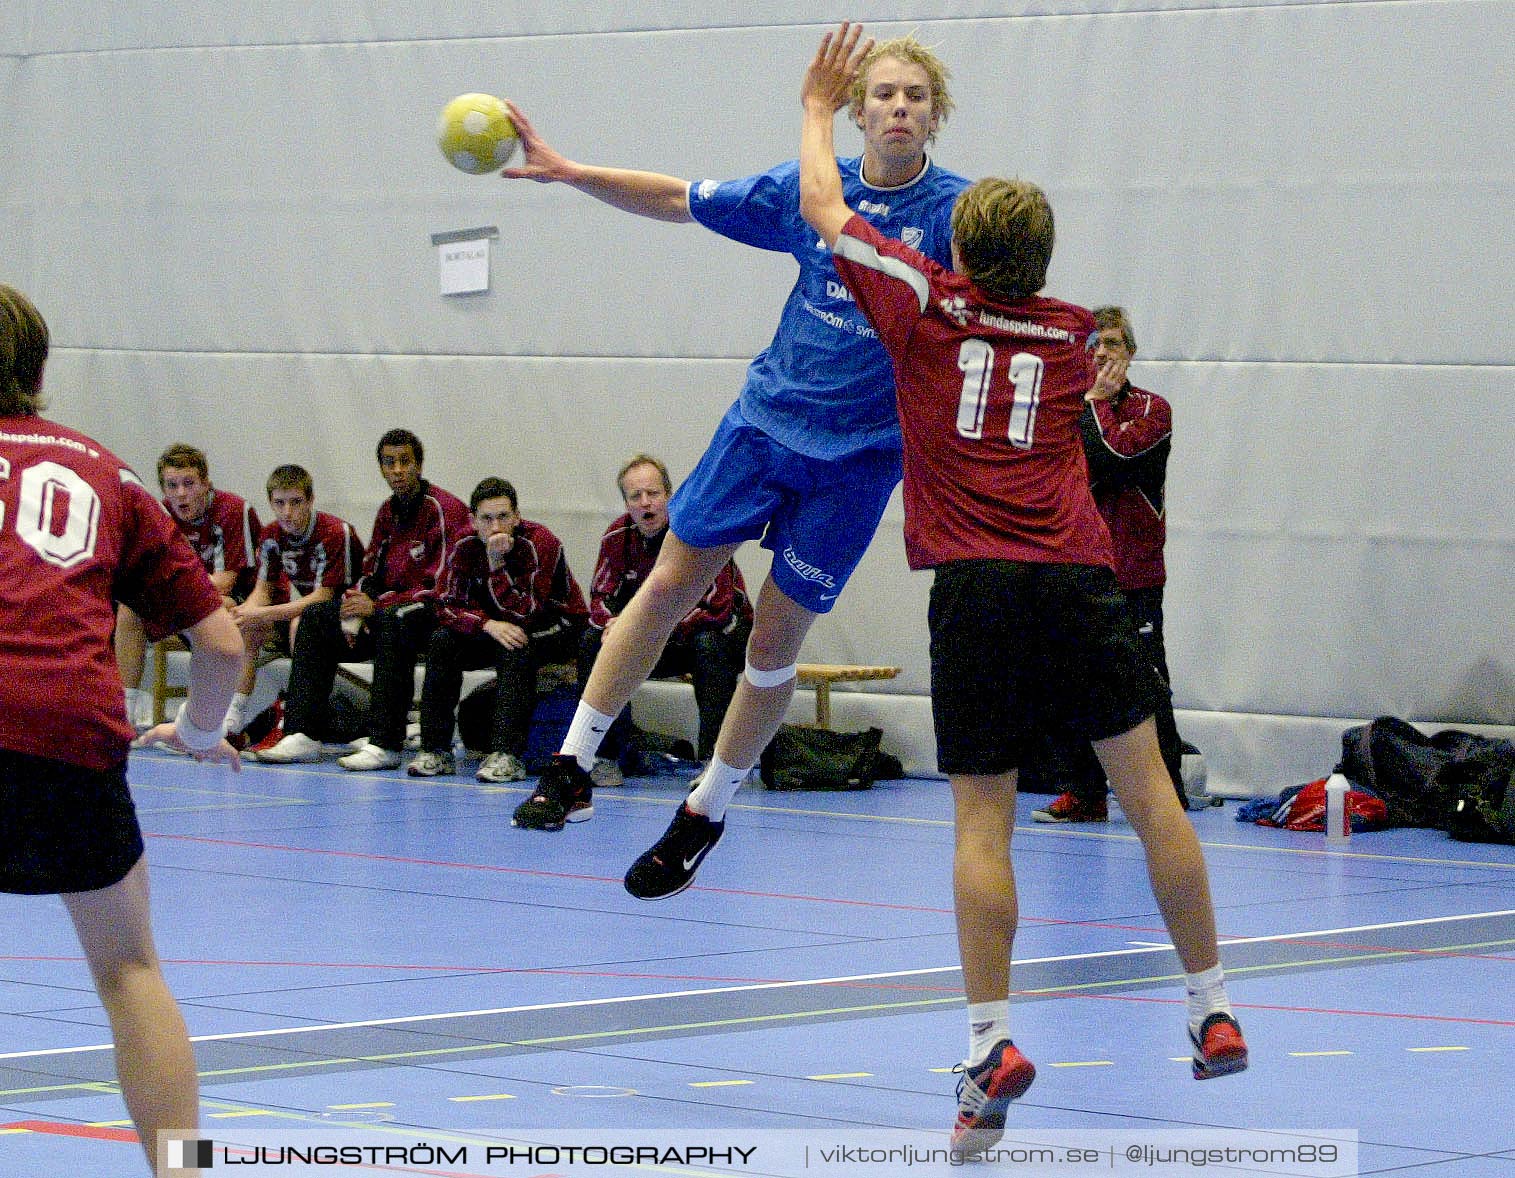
pixel 406 1020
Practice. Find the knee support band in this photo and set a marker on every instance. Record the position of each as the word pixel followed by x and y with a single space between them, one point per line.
pixel 771 678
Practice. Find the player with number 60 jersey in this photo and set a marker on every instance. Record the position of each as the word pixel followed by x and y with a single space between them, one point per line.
pixel 80 532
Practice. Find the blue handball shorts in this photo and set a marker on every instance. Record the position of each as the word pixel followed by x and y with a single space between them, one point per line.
pixel 815 515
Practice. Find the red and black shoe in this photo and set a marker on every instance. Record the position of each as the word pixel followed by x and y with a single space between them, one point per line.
pixel 984 1094
pixel 1219 1049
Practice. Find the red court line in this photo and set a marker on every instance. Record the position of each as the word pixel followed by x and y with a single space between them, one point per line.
pixel 534 872
pixel 59 1129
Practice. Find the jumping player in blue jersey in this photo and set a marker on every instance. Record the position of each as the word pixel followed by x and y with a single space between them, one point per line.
pixel 806 459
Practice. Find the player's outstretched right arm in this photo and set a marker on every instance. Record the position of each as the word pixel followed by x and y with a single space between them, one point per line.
pixel 647 194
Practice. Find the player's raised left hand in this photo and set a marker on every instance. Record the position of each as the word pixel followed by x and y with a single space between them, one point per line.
pixel 828 81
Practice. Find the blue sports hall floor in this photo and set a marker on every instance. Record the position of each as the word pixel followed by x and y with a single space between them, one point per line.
pixel 382 961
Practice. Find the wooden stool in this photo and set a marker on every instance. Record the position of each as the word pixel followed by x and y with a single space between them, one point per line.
pixel 162 691
pixel 822 675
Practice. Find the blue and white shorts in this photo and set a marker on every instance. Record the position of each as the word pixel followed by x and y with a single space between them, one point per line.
pixel 815 515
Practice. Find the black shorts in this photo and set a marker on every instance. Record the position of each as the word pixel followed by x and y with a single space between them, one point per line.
pixel 1015 645
pixel 64 828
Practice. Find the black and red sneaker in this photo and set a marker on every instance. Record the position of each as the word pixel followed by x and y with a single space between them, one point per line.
pixel 1219 1049
pixel 564 793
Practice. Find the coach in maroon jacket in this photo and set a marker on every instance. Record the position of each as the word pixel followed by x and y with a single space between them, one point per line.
pixel 709 643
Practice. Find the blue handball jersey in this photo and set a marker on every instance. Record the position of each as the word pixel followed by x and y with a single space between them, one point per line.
pixel 824 387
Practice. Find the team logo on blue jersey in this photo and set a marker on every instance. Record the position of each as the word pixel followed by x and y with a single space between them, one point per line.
pixel 707 188
pixel 913 236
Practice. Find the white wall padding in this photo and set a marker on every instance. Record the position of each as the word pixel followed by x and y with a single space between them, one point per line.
pixel 225 211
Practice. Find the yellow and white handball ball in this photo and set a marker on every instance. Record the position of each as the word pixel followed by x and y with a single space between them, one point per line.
pixel 475 133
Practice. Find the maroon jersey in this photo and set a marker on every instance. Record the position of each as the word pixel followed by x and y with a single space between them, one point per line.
pixel 329 554
pixel 533 587
pixel 627 556
pixel 409 544
pixel 225 537
pixel 79 533
pixel 989 398
pixel 1127 440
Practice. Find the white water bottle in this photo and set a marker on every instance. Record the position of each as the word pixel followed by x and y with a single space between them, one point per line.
pixel 1338 826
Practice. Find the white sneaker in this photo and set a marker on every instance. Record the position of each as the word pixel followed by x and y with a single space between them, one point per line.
pixel 607 773
pixel 371 757
pixel 296 746
pixel 358 745
pixel 499 767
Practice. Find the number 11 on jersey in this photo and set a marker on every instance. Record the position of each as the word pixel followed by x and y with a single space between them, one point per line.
pixel 976 360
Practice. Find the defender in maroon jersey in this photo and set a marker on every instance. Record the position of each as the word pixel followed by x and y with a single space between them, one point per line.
pixel 78 534
pixel 1025 616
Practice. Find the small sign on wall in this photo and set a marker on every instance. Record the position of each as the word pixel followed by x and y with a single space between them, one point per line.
pixel 463 259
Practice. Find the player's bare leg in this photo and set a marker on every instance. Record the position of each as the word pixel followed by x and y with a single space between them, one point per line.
pixel 1181 884
pixel 154 1062
pixel 984 900
pixel 1175 863
pixel 754 715
pixel 630 650
pixel 983 882
pixel 779 627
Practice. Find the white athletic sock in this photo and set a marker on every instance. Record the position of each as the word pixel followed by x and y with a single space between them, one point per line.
pixel 585 734
pixel 716 789
pixel 1207 996
pixel 988 1023
pixel 235 720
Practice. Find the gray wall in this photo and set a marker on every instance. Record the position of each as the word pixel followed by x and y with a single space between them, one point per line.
pixel 225 210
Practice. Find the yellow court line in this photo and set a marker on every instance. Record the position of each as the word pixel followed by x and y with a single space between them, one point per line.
pixel 1084 1063
pixel 471 1099
pixel 722 1083
pixel 1436 1049
pixel 1057 831
pixel 110 1124
pixel 10 1132
pixel 842 1076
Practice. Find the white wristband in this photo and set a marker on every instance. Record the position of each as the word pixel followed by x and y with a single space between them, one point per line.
pixel 197 740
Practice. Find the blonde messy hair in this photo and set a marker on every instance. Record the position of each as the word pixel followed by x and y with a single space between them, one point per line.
pixel 1003 232
pixel 911 50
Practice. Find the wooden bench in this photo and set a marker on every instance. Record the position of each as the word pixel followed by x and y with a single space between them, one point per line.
pixel 163 690
pixel 822 675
